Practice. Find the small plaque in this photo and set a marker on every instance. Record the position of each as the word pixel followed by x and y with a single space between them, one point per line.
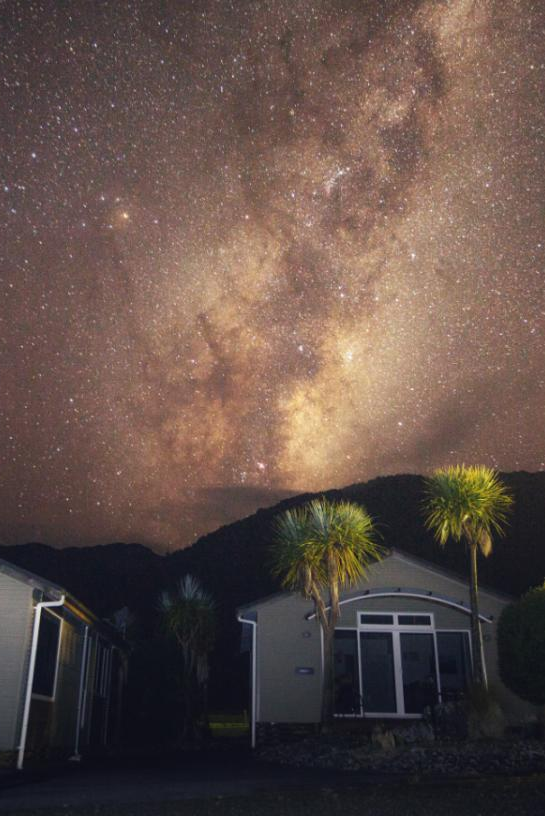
pixel 304 670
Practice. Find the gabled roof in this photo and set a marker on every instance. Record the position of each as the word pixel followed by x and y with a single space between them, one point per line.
pixel 401 555
pixel 54 591
pixel 27 577
pixel 445 572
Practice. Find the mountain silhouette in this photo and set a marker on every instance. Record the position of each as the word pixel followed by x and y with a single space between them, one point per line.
pixel 233 562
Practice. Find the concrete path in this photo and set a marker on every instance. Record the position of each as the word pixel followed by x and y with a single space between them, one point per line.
pixel 212 774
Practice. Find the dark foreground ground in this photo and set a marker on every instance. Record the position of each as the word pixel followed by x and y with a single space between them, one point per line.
pixel 233 784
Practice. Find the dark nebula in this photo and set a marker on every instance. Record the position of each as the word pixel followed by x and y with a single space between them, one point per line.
pixel 255 248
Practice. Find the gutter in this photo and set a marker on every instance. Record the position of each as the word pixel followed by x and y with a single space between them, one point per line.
pixel 30 678
pixel 253 624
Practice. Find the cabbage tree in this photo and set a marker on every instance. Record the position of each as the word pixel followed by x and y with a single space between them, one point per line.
pixel 188 614
pixel 320 549
pixel 468 504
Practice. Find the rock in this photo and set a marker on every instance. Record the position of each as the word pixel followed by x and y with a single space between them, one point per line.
pixel 383 738
pixel 417 733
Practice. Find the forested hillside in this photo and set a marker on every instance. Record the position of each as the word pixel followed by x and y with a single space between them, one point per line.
pixel 232 563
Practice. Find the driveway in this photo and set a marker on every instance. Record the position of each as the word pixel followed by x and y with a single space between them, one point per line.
pixel 211 774
pixel 231 783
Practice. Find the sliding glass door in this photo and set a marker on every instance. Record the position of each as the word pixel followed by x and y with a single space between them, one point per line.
pixel 418 671
pixel 454 663
pixel 397 664
pixel 346 666
pixel 377 673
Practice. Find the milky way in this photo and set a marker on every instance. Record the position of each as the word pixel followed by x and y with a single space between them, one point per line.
pixel 255 248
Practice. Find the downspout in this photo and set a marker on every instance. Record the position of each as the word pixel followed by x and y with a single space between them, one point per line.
pixel 82 676
pixel 253 624
pixel 30 678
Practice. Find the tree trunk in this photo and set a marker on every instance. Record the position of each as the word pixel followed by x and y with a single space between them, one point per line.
pixel 327 622
pixel 188 683
pixel 479 675
pixel 187 728
pixel 328 685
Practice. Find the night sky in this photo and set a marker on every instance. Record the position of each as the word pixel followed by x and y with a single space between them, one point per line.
pixel 250 249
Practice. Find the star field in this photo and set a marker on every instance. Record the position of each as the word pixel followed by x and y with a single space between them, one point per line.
pixel 249 249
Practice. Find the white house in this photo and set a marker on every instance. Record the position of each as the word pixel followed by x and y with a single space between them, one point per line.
pixel 62 671
pixel 402 642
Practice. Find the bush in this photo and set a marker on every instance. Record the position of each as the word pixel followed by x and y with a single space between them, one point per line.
pixel 521 646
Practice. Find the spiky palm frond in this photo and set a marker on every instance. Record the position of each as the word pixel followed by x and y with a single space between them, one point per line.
pixel 189 615
pixel 319 548
pixel 324 541
pixel 293 560
pixel 344 536
pixel 466 502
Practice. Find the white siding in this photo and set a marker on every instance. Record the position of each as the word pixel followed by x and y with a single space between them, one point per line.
pixel 15 632
pixel 286 643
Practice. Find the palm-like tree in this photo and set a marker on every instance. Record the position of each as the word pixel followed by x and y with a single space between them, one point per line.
pixel 469 504
pixel 319 549
pixel 189 616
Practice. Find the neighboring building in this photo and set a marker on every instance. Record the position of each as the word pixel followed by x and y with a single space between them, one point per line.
pixel 62 671
pixel 402 642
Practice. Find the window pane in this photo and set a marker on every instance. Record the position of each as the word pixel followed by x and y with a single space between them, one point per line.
pixel 414 620
pixel 454 663
pixel 46 655
pixel 419 675
pixel 377 619
pixel 377 671
pixel 347 683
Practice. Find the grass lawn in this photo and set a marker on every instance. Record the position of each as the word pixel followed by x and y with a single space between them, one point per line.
pixel 489 797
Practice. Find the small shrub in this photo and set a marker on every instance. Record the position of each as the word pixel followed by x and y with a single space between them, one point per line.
pixel 485 718
pixel 449 720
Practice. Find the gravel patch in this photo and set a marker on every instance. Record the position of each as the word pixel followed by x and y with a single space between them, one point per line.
pixel 470 759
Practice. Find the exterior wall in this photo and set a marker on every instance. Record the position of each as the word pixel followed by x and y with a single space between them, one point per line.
pixel 102 706
pixel 65 708
pixel 283 643
pixel 96 703
pixel 397 571
pixel 87 712
pixel 282 647
pixel 52 723
pixel 445 616
pixel 15 634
